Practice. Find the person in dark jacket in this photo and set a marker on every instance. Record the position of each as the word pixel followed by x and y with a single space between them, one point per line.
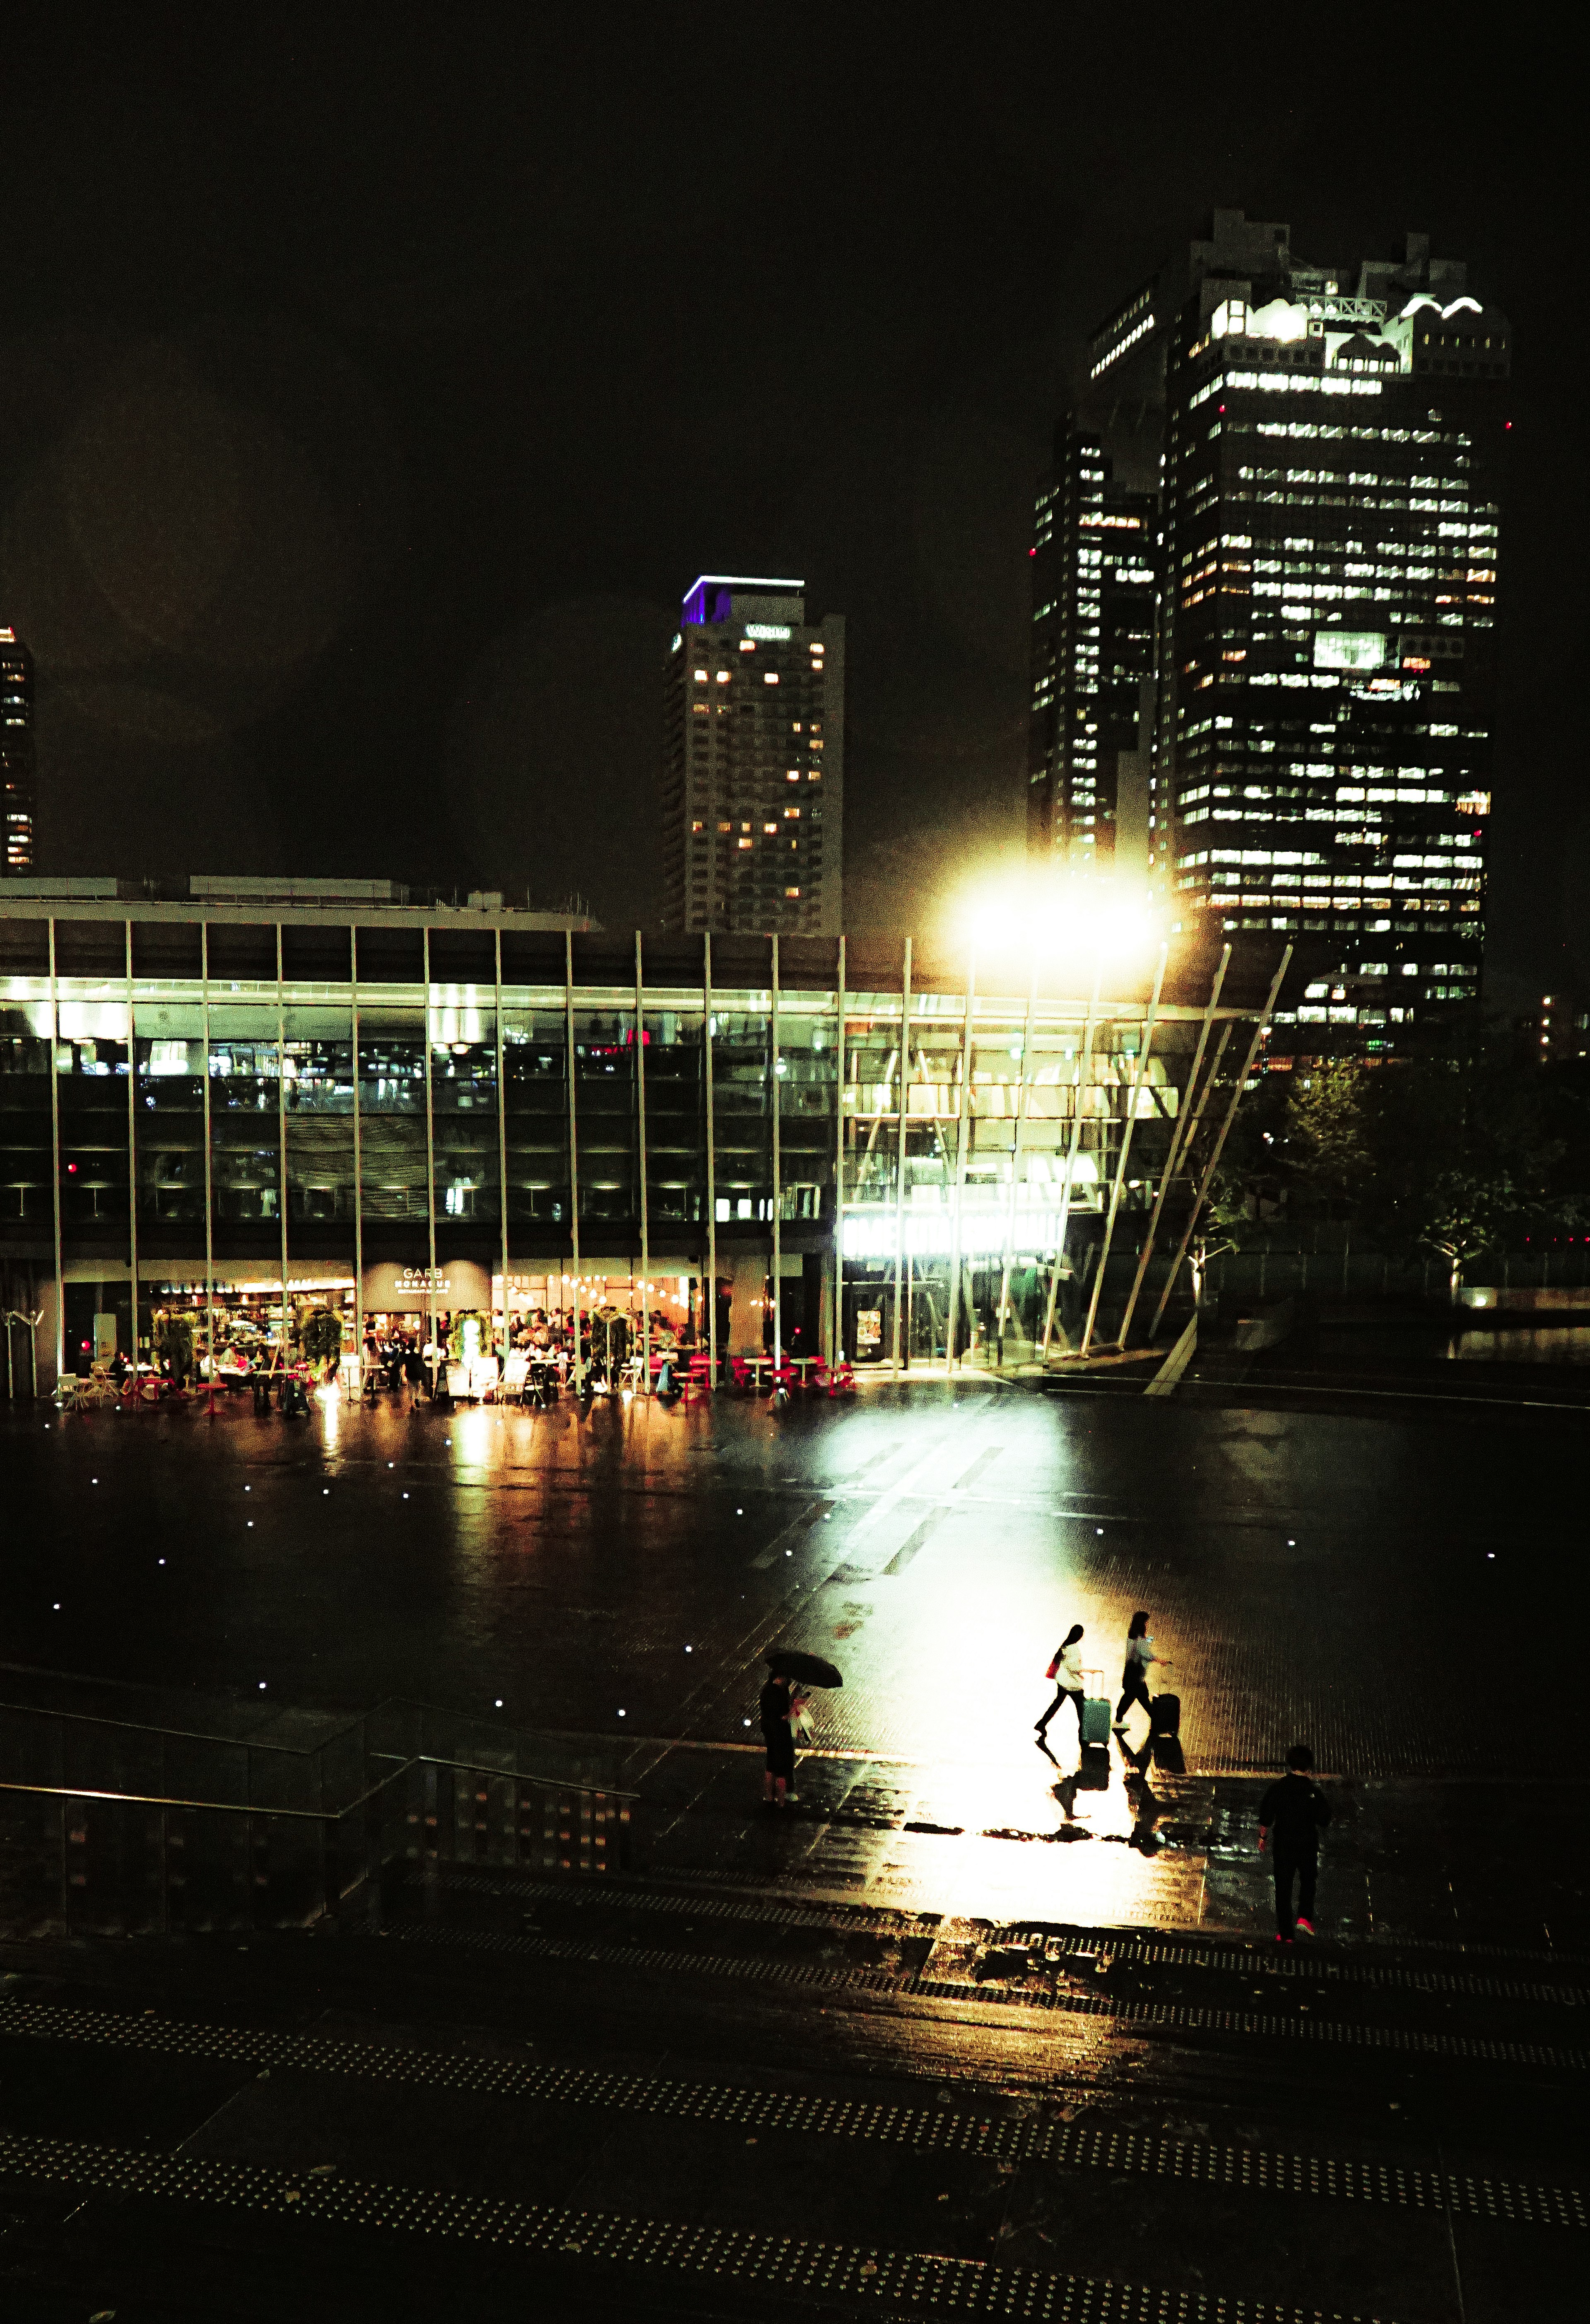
pixel 1292 1815
pixel 1134 1674
pixel 780 1738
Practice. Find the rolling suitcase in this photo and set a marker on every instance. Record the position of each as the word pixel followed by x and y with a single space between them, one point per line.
pixel 1095 1715
pixel 1165 1716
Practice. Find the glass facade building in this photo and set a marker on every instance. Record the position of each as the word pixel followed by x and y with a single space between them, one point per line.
pixel 867 1151
pixel 1095 592
pixel 1334 450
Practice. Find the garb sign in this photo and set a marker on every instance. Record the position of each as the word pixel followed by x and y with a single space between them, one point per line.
pixel 460 1284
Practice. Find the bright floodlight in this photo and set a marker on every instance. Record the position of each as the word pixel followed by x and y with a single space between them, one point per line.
pixel 1054 916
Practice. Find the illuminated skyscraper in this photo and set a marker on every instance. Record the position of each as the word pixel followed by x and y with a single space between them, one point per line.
pixel 1095 555
pixel 1335 439
pixel 16 751
pixel 753 762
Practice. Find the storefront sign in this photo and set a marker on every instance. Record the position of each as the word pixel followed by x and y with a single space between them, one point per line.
pixel 461 1284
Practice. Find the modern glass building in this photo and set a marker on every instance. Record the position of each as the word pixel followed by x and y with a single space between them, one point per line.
pixel 1096 595
pixel 248 1107
pixel 1333 445
pixel 1336 440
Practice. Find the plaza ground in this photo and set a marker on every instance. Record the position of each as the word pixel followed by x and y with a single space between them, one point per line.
pixel 959 2030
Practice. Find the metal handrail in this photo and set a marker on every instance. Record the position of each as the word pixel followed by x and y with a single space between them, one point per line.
pixel 315 1815
pixel 183 1734
pixel 284 1750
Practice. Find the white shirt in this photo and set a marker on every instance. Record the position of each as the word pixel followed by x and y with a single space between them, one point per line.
pixel 1069 1669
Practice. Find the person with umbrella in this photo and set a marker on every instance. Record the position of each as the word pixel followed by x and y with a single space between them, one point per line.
pixel 790 1674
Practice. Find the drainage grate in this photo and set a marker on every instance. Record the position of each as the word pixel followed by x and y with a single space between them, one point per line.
pixel 1171 2017
pixel 780 2263
pixel 937 2130
pixel 1160 2017
pixel 1311 1967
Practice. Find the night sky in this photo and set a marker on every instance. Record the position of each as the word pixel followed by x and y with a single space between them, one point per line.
pixel 370 393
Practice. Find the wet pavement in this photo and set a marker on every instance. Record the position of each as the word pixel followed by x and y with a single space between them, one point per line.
pixel 964 2029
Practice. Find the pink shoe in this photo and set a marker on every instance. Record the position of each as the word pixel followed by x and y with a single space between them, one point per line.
pixel 1307 1926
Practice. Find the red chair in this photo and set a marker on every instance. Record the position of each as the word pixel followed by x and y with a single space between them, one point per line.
pixel 837 1380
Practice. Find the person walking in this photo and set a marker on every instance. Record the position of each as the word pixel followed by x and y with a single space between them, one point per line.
pixel 779 1735
pixel 1134 1676
pixel 1065 1670
pixel 1292 1814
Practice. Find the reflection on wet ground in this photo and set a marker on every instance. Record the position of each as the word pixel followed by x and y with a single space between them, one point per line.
pixel 975 2024
pixel 1510 1344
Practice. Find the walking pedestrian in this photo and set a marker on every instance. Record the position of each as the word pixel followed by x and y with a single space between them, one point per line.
pixel 777 1733
pixel 1065 1670
pixel 1134 1675
pixel 1292 1814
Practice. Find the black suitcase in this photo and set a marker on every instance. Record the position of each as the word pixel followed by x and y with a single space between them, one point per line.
pixel 1165 1715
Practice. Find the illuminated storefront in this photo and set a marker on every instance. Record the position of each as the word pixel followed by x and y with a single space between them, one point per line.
pixel 403 1116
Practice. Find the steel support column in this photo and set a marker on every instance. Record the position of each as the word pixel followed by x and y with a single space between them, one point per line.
pixel 962 1138
pixel 1064 1224
pixel 837 1320
pixel 1259 1022
pixel 1016 1149
pixel 1177 1142
pixel 711 1157
pixel 1128 1125
pixel 133 1152
pixel 772 1069
pixel 501 1133
pixel 209 1212
pixel 55 1161
pixel 579 1370
pixel 430 1184
pixel 645 1190
pixel 353 990
pixel 281 1136
pixel 900 1177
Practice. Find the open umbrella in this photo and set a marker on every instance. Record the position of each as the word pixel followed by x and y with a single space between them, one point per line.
pixel 788 1662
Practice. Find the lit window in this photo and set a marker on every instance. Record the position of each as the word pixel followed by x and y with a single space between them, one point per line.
pixel 788 811
pixel 700 677
pixel 697 826
pixel 770 678
pixel 725 826
pixel 791 891
pixel 770 826
pixel 747 645
pixel 744 842
pixel 723 678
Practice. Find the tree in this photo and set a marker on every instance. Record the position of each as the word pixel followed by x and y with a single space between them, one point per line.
pixel 1328 1140
pixel 1459 1146
pixel 1463 1208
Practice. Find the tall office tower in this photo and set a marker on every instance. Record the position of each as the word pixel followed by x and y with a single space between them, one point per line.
pixel 1096 563
pixel 754 763
pixel 1335 440
pixel 16 752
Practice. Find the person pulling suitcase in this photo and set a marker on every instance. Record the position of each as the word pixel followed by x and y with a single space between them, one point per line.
pixel 1134 1675
pixel 1065 1670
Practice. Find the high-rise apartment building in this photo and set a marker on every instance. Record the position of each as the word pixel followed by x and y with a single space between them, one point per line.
pixel 16 752
pixel 1095 561
pixel 1334 448
pixel 753 762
